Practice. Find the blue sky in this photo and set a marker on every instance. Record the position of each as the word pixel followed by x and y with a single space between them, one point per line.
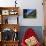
pixel 29 11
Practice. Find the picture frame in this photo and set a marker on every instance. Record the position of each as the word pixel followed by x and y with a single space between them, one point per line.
pixel 29 13
pixel 5 12
pixel 13 12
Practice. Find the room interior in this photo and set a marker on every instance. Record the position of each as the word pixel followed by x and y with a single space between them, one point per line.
pixel 12 21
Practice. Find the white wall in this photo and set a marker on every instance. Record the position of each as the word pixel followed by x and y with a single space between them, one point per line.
pixel 27 4
pixel 32 4
pixel 7 3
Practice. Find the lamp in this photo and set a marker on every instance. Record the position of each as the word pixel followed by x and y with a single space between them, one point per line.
pixel 15 30
pixel 15 3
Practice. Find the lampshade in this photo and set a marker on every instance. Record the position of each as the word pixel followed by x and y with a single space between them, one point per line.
pixel 15 30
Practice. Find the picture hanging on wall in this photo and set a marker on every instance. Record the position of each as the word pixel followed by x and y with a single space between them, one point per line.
pixel 29 13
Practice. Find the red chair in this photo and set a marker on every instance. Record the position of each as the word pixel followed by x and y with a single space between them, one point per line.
pixel 29 33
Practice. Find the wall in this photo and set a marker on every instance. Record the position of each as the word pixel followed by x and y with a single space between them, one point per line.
pixel 32 4
pixel 37 29
pixel 27 4
pixel 45 22
pixel 7 3
pixel 44 12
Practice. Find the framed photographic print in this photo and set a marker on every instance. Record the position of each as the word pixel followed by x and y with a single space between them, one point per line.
pixel 29 13
pixel 5 12
pixel 13 12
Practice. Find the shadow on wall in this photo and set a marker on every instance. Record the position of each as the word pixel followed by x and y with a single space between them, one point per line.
pixel 37 29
